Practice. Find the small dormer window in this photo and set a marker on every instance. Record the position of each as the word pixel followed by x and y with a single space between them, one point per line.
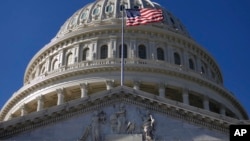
pixel 136 7
pixel 123 6
pixel 73 21
pixel 109 8
pixel 84 15
pixel 96 11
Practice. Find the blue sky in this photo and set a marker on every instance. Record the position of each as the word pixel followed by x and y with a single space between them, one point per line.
pixel 220 26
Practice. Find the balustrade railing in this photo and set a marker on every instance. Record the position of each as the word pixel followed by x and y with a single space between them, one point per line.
pixel 130 62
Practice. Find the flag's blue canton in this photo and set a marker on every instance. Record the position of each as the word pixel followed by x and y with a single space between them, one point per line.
pixel 132 13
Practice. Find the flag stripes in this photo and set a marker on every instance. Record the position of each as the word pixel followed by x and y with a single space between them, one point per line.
pixel 143 16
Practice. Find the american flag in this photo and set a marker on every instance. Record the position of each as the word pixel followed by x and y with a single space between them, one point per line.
pixel 143 16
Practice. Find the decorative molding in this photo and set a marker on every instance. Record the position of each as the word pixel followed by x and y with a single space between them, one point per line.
pixel 118 95
pixel 28 89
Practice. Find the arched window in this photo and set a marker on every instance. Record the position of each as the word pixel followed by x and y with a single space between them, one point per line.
pixel 85 54
pixel 70 59
pixel 55 64
pixel 84 15
pixel 125 51
pixel 104 52
pixel 96 11
pixel 160 54
pixel 177 59
pixel 109 8
pixel 142 52
pixel 191 64
pixel 203 70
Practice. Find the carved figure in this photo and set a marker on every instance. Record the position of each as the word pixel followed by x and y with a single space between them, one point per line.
pixel 95 127
pixel 85 134
pixel 130 127
pixel 102 117
pixel 148 126
pixel 121 119
pixel 113 123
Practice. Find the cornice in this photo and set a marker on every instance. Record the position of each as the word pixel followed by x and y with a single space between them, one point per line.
pixel 106 98
pixel 60 75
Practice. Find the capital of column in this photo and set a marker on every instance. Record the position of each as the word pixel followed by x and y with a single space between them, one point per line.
pixel 84 89
pixel 23 109
pixel 222 110
pixel 206 103
pixel 185 95
pixel 84 85
pixel 40 97
pixel 59 91
pixel 110 84
pixel 60 96
pixel 137 85
pixel 40 102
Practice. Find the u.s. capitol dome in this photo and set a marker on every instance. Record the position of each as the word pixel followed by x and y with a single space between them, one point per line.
pixel 173 88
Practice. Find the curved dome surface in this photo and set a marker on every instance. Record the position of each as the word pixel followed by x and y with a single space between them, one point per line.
pixel 162 64
pixel 106 12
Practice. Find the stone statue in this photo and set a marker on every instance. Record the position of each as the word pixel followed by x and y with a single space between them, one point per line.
pixel 95 127
pixel 113 123
pixel 121 119
pixel 102 117
pixel 130 127
pixel 85 134
pixel 148 126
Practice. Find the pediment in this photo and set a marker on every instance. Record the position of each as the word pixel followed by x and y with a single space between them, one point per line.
pixel 121 111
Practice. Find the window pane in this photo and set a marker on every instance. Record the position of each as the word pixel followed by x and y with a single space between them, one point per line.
pixel 142 52
pixel 104 52
pixel 177 59
pixel 85 54
pixel 160 54
pixel 70 59
pixel 55 65
pixel 191 64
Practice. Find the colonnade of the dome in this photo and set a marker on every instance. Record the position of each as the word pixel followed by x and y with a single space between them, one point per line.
pixel 173 94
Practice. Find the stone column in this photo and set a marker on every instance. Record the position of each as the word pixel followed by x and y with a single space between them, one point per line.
pixel 109 84
pixel 136 85
pixel 133 49
pixel 185 96
pixel 222 110
pixel 185 59
pixel 162 90
pixel 84 90
pixel 93 50
pixel 152 51
pixel 206 103
pixel 61 59
pixel 40 103
pixel 23 110
pixel 170 54
pixel 11 116
pixel 60 96
pixel 199 65
pixel 113 49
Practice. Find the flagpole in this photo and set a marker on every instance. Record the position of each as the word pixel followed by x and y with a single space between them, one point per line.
pixel 122 47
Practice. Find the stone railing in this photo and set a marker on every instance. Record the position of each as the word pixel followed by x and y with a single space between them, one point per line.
pixel 129 62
